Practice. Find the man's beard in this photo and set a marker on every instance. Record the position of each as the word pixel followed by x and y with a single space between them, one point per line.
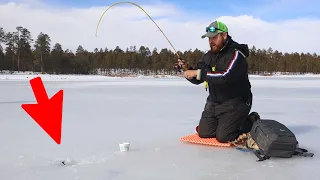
pixel 217 48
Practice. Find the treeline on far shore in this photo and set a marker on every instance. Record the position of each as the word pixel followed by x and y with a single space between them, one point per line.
pixel 19 51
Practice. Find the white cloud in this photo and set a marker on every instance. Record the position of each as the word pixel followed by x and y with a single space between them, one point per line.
pixel 128 25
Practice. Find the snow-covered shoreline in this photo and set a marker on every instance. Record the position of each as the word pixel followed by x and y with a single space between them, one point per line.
pixel 74 77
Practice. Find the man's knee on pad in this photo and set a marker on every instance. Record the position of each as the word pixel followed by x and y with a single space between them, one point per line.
pixel 224 138
pixel 206 134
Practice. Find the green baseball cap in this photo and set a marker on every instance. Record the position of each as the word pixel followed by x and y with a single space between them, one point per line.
pixel 214 29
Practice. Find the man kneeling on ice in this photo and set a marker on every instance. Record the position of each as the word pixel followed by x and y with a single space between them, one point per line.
pixel 224 70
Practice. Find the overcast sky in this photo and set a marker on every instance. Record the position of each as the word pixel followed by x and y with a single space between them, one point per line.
pixel 284 25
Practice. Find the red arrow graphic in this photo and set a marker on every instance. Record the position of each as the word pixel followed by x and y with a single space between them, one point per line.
pixel 47 112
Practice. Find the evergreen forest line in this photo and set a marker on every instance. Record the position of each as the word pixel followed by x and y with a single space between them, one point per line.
pixel 18 54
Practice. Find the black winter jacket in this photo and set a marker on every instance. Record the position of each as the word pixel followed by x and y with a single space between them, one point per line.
pixel 226 73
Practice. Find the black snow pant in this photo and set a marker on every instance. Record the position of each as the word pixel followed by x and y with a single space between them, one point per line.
pixel 225 121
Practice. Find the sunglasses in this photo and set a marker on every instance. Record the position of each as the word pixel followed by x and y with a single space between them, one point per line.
pixel 212 29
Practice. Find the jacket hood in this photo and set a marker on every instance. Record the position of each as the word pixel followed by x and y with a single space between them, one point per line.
pixel 241 47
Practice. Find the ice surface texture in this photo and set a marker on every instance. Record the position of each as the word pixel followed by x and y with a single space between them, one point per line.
pixel 151 114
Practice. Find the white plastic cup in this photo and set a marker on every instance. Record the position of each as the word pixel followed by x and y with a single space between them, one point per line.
pixel 124 146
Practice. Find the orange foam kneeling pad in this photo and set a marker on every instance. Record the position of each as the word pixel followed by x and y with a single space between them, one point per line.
pixel 194 138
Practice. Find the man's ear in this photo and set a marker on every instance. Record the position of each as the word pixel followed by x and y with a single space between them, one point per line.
pixel 225 35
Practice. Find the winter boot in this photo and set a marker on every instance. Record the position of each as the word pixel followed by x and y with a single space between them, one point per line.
pixel 247 125
pixel 253 116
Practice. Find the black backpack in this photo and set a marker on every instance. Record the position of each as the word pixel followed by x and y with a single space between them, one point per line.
pixel 275 140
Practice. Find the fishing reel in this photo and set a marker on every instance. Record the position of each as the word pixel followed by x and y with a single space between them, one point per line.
pixel 177 67
pixel 180 66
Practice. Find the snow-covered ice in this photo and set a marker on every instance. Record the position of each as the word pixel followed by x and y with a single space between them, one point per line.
pixel 151 114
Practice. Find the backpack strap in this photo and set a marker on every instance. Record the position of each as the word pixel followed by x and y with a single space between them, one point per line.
pixel 257 153
pixel 302 152
pixel 298 152
pixel 259 156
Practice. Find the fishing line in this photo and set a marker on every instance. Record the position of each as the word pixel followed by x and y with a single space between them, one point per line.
pixel 145 13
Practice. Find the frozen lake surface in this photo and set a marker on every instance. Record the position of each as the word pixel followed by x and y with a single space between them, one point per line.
pixel 151 114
